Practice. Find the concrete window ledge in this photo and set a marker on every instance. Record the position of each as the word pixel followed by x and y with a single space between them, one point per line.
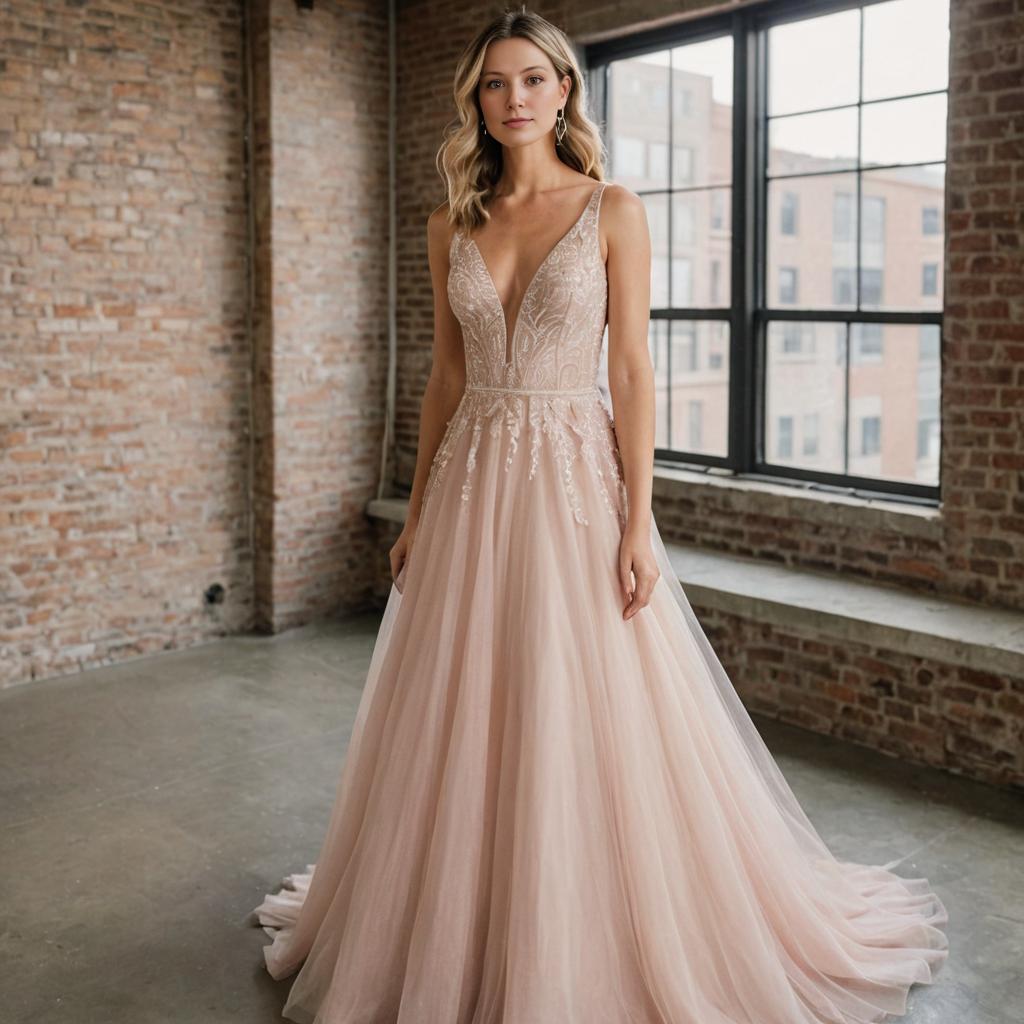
pixel 389 510
pixel 863 612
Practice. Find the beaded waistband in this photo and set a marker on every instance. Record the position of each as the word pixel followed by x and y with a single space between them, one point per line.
pixel 592 390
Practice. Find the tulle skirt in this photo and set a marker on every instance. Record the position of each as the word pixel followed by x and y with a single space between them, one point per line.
pixel 550 815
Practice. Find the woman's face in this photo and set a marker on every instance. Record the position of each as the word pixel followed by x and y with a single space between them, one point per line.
pixel 519 92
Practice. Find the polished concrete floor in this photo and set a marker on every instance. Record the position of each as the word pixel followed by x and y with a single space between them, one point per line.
pixel 146 808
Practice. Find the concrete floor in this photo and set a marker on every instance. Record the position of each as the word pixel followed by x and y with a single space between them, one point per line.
pixel 146 809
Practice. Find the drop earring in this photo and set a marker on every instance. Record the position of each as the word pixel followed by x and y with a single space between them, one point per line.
pixel 482 125
pixel 560 128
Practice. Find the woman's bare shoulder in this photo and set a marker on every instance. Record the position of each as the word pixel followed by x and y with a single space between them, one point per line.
pixel 439 229
pixel 620 200
pixel 623 215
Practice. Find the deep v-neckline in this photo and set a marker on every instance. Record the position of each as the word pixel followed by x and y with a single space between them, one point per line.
pixel 509 354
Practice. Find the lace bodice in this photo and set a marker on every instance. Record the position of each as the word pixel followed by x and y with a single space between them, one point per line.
pixel 543 378
pixel 557 332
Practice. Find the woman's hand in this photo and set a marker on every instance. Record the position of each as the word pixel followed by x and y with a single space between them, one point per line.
pixel 402 549
pixel 637 558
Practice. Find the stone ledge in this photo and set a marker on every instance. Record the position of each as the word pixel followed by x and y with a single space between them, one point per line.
pixel 391 510
pixel 863 612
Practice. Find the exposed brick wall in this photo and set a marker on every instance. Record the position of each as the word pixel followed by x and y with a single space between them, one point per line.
pixel 135 362
pixel 124 373
pixel 321 343
pixel 948 716
pixel 983 347
pixel 975 548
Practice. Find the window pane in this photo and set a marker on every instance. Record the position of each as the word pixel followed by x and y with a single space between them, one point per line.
pixel 812 64
pixel 657 222
pixel 894 405
pixel 893 429
pixel 657 161
pixel 701 253
pixel 629 158
pixel 699 411
pixel 688 209
pixel 681 284
pixel 669 128
pixel 657 340
pixel 823 253
pixel 713 283
pixel 696 425
pixel 638 121
pixel 813 142
pixel 702 113
pixel 926 469
pixel 638 126
pixel 906 47
pixel 894 246
pixel 904 131
pixel 810 433
pixel 804 388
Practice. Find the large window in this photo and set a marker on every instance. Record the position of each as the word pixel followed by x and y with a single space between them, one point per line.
pixel 792 162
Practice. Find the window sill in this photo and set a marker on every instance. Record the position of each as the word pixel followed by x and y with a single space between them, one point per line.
pixel 860 612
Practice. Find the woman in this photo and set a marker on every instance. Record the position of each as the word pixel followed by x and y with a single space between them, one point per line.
pixel 554 808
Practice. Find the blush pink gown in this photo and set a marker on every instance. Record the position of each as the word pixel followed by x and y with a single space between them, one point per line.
pixel 547 814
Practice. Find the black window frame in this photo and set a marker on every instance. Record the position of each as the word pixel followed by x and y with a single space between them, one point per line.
pixel 749 314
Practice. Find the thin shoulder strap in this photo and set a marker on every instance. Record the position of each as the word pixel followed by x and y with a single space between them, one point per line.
pixel 596 204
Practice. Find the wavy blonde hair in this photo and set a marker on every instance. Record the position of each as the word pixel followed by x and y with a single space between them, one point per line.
pixel 470 161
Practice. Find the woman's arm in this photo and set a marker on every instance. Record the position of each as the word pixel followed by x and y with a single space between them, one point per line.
pixel 447 379
pixel 631 382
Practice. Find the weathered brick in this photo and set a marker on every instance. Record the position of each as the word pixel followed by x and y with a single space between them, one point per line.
pixel 125 297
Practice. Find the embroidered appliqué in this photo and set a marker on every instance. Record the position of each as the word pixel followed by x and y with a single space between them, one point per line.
pixel 578 428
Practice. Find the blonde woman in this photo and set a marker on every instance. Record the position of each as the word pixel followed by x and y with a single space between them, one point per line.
pixel 554 809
